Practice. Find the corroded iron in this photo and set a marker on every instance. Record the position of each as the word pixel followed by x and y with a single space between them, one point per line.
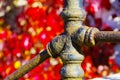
pixel 107 36
pixel 55 47
pixel 85 36
pixel 72 60
pixel 73 15
pixel 68 44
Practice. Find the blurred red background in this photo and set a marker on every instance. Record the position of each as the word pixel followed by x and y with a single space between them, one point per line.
pixel 26 26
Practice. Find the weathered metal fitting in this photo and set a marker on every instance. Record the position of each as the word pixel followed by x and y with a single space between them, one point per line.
pixel 55 47
pixel 90 36
pixel 72 71
pixel 73 14
pixel 70 54
pixel 79 36
pixel 72 60
pixel 72 26
pixel 107 36
pixel 73 10
pixel 85 36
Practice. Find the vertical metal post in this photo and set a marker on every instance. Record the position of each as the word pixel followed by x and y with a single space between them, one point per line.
pixel 73 15
pixel 72 60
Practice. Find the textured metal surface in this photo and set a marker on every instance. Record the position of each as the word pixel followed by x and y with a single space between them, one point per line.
pixel 56 46
pixel 28 66
pixel 73 10
pixel 72 60
pixel 107 36
pixel 85 36
pixel 73 15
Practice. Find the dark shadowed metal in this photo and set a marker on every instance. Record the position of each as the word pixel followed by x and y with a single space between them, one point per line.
pixel 68 44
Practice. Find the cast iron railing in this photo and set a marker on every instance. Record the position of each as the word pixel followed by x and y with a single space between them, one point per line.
pixel 68 44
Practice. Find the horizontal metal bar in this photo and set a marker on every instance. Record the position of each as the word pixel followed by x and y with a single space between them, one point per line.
pixel 28 66
pixel 107 36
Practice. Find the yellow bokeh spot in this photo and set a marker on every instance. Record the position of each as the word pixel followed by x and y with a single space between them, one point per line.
pixel 27 52
pixel 23 22
pixel 1 41
pixel 18 3
pixel 39 30
pixel 48 28
pixel 32 31
pixel 1 30
pixel 8 8
pixel 37 4
pixel 17 64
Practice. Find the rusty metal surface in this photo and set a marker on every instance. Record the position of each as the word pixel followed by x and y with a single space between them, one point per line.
pixel 85 36
pixel 72 60
pixel 73 15
pixel 56 46
pixel 107 36
pixel 28 66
